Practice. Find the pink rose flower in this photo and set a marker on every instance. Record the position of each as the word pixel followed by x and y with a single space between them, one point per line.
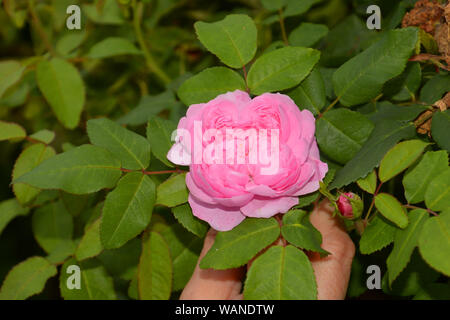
pixel 344 205
pixel 226 187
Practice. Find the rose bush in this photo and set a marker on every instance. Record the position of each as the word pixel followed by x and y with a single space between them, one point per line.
pixel 224 194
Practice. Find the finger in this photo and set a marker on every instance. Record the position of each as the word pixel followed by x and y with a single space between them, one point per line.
pixel 210 284
pixel 332 272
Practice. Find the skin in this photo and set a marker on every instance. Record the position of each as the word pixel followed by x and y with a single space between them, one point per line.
pixel 332 272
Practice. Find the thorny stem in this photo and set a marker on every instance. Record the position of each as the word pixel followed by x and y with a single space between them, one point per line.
pixel 150 61
pixel 366 219
pixel 329 107
pixel 283 28
pixel 415 207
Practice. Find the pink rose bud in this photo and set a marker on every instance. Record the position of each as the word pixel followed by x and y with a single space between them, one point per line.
pixel 350 205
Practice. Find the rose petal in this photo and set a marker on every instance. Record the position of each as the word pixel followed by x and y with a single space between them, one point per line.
pixel 268 207
pixel 219 217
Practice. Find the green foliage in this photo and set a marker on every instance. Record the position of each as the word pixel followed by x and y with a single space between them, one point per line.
pixel 383 137
pixel 404 243
pixel 378 234
pixel 297 230
pixel 62 86
pixel 26 279
pixel 236 247
pixel 382 61
pixel 83 169
pixel 399 158
pixel 208 84
pixel 173 191
pixel 434 242
pixel 416 180
pixel 130 148
pixel 232 39
pixel 281 69
pixel 95 283
pixel 310 94
pixel 127 210
pixel 341 133
pixel 391 209
pixel 281 273
pixel 155 269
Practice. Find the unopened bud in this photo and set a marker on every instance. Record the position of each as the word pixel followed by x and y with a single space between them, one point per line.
pixel 350 205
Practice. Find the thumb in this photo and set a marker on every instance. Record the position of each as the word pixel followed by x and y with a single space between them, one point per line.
pixel 333 271
pixel 210 284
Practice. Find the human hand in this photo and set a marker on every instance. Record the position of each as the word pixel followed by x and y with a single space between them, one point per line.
pixel 332 272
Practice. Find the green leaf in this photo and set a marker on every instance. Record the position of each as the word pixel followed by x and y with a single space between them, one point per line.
pixel 416 276
pixel 273 5
pixel 369 182
pixel 232 40
pixel 30 158
pixel 159 133
pixel 10 73
pixel 437 195
pixel 95 283
pixel 109 13
pixel 185 249
pixel 236 247
pixel 404 86
pixel 341 133
pixel 404 243
pixel 9 209
pixel 345 40
pixel 281 69
pixel 44 136
pixel 378 234
pixel 310 94
pixel 400 157
pixel 435 88
pixel 11 131
pixel 184 215
pixel 122 263
pixel 281 273
pixel 417 179
pixel 63 88
pixel 131 149
pixel 149 106
pixel 361 78
pixel 434 242
pixel 53 227
pixel 307 34
pixel 112 46
pixel 391 209
pixel 383 137
pixel 434 291
pixel 27 279
pixel 173 191
pixel 127 210
pixel 295 7
pixel 208 84
pixel 439 129
pixel 83 169
pixel 388 111
pixel 298 231
pixel 155 269
pixel 90 244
